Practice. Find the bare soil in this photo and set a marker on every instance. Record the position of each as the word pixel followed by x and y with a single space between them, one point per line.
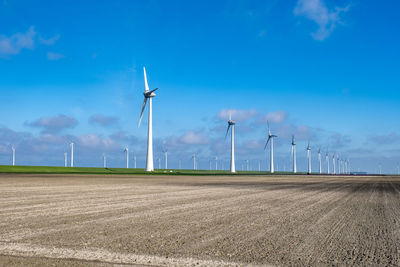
pixel 69 220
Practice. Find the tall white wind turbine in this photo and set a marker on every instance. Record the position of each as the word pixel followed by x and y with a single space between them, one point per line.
pixel 294 154
pixel 104 161
pixel 148 95
pixel 309 158
pixel 270 137
pixel 127 157
pixel 327 162
pixel 320 161
pixel 231 124
pixel 65 159
pixel 13 155
pixel 72 154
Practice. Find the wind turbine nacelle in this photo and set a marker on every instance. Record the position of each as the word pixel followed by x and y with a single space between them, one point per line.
pixel 230 122
pixel 149 94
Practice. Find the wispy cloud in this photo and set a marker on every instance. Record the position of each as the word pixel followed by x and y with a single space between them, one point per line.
pixel 54 56
pixel 385 139
pixel 54 124
pixel 240 115
pixel 15 43
pixel 103 120
pixel 275 117
pixel 49 41
pixel 317 11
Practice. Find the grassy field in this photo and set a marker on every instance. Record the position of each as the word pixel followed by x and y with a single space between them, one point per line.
pixel 130 171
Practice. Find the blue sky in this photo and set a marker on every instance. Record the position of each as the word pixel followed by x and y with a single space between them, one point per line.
pixel 326 71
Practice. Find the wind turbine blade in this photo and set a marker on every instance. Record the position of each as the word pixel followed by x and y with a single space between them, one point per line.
pixel 153 90
pixel 269 132
pixel 269 137
pixel 146 86
pixel 230 115
pixel 141 114
pixel 227 130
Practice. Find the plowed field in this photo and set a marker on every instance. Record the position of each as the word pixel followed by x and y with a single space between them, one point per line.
pixel 70 220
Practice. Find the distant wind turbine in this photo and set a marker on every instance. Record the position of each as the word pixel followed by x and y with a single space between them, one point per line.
pixel 104 161
pixel 334 163
pixel 232 123
pixel 309 158
pixel 270 137
pixel 166 158
pixel 194 161
pixel 216 163
pixel 327 162
pixel 320 161
pixel 126 150
pixel 13 155
pixel 65 159
pixel 294 154
pixel 72 154
pixel 148 95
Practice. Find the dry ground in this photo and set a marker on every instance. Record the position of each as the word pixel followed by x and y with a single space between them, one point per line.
pixel 62 220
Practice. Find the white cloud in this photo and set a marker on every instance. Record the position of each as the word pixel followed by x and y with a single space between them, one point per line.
pixel 237 114
pixel 15 43
pixel 317 11
pixel 49 41
pixel 195 138
pixel 54 56
pixel 275 117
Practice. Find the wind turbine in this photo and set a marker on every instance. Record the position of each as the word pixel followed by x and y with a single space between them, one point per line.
pixel 148 95
pixel 259 165
pixel 294 154
pixel 65 159
pixel 13 155
pixel 320 162
pixel 271 137
pixel 216 163
pixel 72 154
pixel 166 158
pixel 232 123
pixel 327 161
pixel 309 158
pixel 334 164
pixel 104 161
pixel 194 161
pixel 159 163
pixel 127 157
pixel 134 161
pixel 247 165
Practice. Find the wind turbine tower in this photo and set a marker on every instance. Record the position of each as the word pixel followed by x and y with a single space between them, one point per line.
pixel 13 155
pixel 216 163
pixel 309 158
pixel 72 154
pixel 232 123
pixel 294 154
pixel 104 161
pixel 270 137
pixel 334 164
pixel 166 158
pixel 65 159
pixel 194 161
pixel 127 157
pixel 148 95
pixel 320 161
pixel 327 162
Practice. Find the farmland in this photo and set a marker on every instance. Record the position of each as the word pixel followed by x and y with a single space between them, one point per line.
pixel 92 220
